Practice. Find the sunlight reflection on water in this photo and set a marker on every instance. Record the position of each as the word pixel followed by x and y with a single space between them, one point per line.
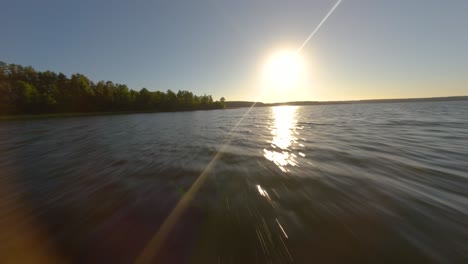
pixel 283 131
pixel 369 183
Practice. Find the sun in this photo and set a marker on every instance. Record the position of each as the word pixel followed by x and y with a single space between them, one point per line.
pixel 284 69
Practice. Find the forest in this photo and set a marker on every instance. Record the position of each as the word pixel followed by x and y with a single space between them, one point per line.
pixel 23 90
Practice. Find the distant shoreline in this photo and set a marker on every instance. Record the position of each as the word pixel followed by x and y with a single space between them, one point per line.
pixel 83 114
pixel 27 93
pixel 231 105
pixel 241 104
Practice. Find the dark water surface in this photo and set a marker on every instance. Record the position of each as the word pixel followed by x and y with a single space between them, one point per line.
pixel 316 184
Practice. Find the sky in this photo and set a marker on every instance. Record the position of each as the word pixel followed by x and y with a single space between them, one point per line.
pixel 366 49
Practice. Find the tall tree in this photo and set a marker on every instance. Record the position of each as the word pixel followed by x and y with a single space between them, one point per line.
pixel 25 90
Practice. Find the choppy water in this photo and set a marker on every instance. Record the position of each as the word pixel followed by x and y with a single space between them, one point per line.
pixel 314 184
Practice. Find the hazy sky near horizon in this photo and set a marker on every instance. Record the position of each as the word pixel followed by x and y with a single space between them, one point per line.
pixel 366 49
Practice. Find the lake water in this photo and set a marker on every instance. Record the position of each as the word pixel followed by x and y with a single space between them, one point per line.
pixel 310 184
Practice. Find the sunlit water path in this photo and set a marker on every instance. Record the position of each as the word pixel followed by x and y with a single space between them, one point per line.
pixel 351 183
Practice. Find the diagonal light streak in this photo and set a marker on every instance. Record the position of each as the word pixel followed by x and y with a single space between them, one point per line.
pixel 152 248
pixel 319 25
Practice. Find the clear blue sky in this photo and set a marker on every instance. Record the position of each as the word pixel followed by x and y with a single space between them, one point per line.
pixel 366 49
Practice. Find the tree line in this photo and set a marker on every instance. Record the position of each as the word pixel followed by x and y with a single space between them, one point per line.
pixel 23 90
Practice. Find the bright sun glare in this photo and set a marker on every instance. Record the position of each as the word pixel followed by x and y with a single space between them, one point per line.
pixel 284 69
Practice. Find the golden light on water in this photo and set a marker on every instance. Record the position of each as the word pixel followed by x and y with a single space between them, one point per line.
pixel 285 119
pixel 283 131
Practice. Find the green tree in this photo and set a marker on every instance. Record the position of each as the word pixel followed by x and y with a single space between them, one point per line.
pixel 29 96
pixel 81 92
pixel 144 99
pixel 25 90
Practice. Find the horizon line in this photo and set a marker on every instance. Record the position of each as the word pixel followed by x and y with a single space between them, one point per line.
pixel 354 100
